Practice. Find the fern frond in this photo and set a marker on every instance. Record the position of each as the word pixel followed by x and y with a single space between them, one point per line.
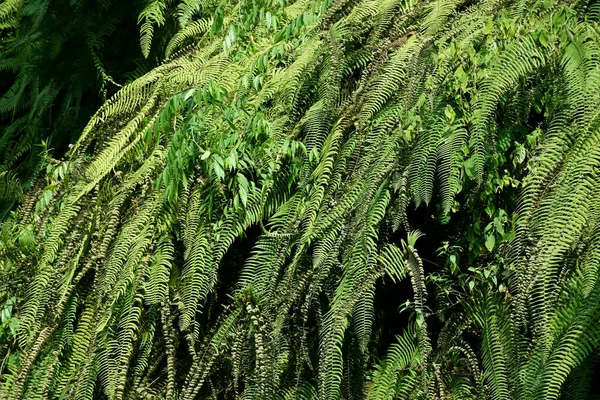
pixel 152 15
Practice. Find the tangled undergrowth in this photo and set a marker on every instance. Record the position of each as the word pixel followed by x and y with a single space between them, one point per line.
pixel 226 222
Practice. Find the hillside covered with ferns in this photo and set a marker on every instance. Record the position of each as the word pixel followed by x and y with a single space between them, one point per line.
pixel 310 199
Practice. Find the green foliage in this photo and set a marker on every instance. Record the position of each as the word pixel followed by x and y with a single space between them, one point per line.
pixel 58 63
pixel 225 222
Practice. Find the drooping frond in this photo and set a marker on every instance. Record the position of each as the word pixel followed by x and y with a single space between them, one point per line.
pixel 238 219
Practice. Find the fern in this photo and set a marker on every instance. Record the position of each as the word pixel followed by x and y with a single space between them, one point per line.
pixel 231 221
pixel 152 15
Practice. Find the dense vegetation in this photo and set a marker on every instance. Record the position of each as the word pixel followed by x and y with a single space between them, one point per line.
pixel 312 199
